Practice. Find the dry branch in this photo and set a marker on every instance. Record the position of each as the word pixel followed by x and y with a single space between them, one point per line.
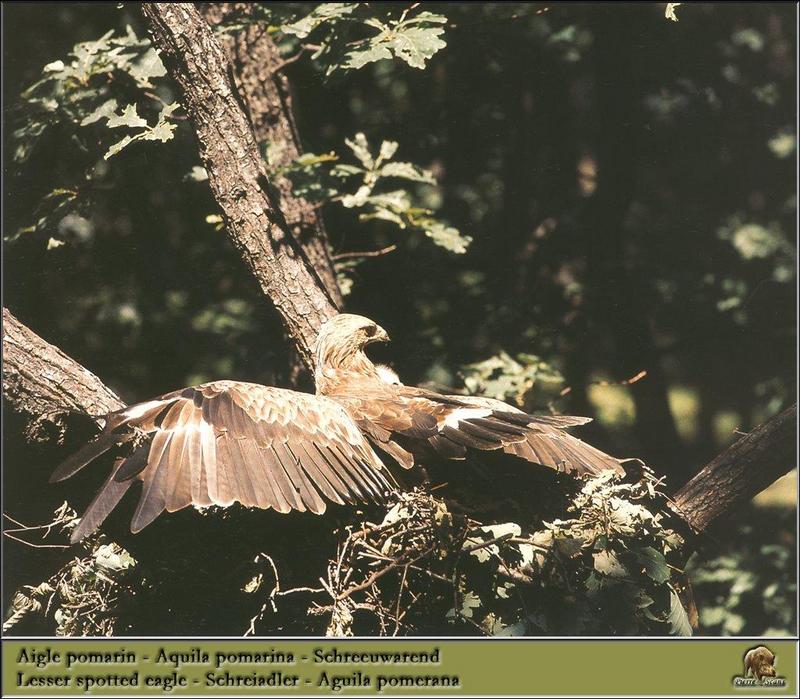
pixel 42 383
pixel 742 471
pixel 237 173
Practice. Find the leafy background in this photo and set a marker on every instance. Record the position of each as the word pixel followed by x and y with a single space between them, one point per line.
pixel 563 195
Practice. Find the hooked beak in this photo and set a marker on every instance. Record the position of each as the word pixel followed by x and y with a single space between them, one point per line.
pixel 380 336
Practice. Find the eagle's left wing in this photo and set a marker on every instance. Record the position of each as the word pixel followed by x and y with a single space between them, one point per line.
pixel 399 418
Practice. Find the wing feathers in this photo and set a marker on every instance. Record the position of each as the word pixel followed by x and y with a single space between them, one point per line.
pixel 179 493
pixel 285 463
pixel 254 462
pixel 451 425
pixel 210 475
pixel 226 442
pixel 538 439
pixel 373 481
pixel 333 472
pixel 325 480
pixel 176 468
pixel 494 425
pixel 153 498
pixel 226 484
pixel 447 447
pixel 87 454
pixel 106 500
pixel 239 477
pixel 342 469
pixel 311 498
pixel 194 452
pixel 132 466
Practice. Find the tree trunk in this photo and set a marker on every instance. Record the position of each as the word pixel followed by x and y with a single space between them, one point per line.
pixel 257 71
pixel 742 471
pixel 237 173
pixel 43 384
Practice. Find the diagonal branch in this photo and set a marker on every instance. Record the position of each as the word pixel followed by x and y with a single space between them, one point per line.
pixel 742 471
pixel 43 384
pixel 237 173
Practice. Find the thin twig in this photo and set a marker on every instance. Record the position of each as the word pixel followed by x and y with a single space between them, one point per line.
pixel 625 382
pixel 399 598
pixel 369 253
pixel 291 59
pixel 35 546
pixel 484 544
pixel 378 574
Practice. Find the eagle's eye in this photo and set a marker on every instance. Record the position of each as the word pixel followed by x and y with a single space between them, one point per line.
pixel 370 330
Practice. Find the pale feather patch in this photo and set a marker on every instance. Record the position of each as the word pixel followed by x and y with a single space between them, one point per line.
pixel 388 375
pixel 137 411
pixel 460 414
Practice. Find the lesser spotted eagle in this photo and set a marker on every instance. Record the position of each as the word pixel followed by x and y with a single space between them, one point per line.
pixel 230 441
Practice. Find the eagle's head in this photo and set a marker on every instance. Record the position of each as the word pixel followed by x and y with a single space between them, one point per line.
pixel 341 342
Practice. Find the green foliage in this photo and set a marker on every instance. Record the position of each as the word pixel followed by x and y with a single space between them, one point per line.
pixel 86 92
pixel 754 242
pixel 761 249
pixel 424 567
pixel 79 90
pixel 352 35
pixel 783 144
pixel 512 379
pixel 414 41
pixel 81 598
pixel 344 274
pixel 53 208
pixel 82 94
pixel 750 589
pixel 669 10
pixel 321 178
pixel 604 570
pixel 328 13
pixel 162 131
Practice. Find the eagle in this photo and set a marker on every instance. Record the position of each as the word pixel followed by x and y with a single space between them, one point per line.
pixel 223 442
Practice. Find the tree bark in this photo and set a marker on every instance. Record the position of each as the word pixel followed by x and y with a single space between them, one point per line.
pixel 237 173
pixel 43 384
pixel 257 71
pixel 742 471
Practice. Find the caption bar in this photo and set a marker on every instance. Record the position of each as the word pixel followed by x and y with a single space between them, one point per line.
pixel 393 667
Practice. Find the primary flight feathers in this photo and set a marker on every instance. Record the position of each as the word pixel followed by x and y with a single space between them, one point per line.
pixel 230 441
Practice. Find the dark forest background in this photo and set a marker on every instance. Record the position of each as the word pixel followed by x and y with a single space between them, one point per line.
pixel 629 185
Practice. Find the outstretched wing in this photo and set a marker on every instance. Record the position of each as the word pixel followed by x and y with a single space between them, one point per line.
pixel 545 440
pixel 227 441
pixel 398 419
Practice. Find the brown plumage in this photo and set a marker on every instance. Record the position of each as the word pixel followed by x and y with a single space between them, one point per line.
pixel 229 441
pixel 409 423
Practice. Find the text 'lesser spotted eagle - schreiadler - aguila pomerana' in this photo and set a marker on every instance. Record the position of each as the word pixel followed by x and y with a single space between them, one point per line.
pixel 230 441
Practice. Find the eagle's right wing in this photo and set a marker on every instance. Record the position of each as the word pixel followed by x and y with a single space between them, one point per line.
pixel 228 441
